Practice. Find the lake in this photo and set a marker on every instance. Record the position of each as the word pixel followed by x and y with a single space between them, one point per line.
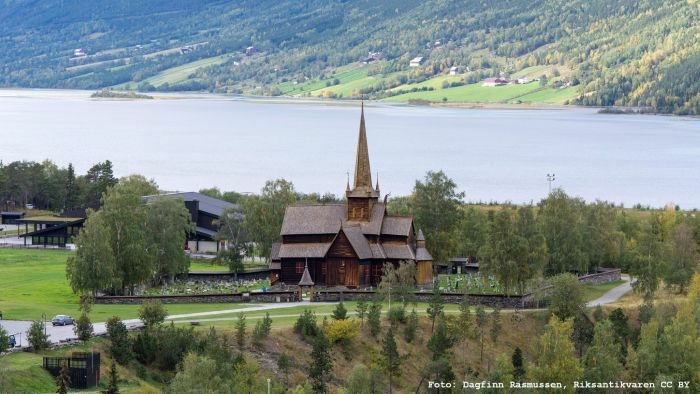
pixel 189 142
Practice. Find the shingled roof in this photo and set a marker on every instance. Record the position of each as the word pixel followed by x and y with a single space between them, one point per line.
pixel 358 241
pixel 400 252
pixel 302 219
pixel 310 250
pixel 397 225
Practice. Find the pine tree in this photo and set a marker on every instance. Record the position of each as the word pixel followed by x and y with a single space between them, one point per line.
pixel 361 309
pixel 518 364
pixel 112 385
pixel 373 318
pixel 435 306
pixel 409 331
pixel 340 312
pixel 391 358
pixel 63 378
pixel 321 363
pixel 240 331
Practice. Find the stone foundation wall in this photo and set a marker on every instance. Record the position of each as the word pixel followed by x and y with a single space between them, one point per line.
pixel 604 276
pixel 270 296
pixel 509 302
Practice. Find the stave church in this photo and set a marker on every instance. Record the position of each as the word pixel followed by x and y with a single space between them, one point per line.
pixel 347 244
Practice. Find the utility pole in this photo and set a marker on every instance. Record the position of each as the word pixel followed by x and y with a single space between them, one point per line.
pixel 550 179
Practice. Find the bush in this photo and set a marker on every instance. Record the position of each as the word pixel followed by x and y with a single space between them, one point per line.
pixel 37 336
pixel 83 327
pixel 397 315
pixel 306 325
pixel 152 313
pixel 120 347
pixel 4 339
pixel 339 331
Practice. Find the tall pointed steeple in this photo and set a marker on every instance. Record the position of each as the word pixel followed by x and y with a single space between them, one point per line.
pixel 363 195
pixel 363 174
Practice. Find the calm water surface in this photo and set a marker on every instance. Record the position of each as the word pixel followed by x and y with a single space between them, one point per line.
pixel 493 155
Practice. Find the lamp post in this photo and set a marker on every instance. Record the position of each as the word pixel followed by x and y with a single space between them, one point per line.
pixel 550 179
pixel 268 385
pixel 43 317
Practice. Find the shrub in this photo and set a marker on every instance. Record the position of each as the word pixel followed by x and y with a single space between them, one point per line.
pixel 339 331
pixel 152 313
pixel 397 315
pixel 37 336
pixel 83 327
pixel 4 339
pixel 306 324
pixel 120 347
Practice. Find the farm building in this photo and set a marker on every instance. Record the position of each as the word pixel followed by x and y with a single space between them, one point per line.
pixel 494 82
pixel 348 244
pixel 416 61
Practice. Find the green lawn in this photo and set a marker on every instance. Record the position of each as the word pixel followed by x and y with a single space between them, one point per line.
pixel 34 282
pixel 474 93
pixel 592 291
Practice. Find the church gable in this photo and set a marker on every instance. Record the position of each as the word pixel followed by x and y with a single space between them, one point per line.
pixel 341 247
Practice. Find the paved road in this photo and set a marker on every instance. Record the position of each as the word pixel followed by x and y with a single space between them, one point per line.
pixel 613 294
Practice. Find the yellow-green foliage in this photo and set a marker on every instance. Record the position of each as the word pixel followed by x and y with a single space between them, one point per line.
pixel 341 330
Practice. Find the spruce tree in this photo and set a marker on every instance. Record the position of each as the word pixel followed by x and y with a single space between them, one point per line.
pixel 361 309
pixel 340 312
pixel 113 384
pixel 373 318
pixel 321 364
pixel 518 364
pixel 63 378
pixel 391 358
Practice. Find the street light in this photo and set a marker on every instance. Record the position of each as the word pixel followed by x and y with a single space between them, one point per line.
pixel 550 179
pixel 268 385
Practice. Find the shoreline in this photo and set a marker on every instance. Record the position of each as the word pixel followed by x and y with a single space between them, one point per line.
pixel 74 94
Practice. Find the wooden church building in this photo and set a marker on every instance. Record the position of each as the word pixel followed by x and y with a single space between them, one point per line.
pixel 347 244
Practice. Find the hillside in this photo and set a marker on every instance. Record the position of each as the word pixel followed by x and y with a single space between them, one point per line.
pixel 625 53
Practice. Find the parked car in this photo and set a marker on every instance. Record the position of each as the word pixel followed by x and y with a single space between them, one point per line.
pixel 62 320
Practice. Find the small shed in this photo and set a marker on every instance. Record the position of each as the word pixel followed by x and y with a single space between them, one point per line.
pixel 416 61
pixel 83 367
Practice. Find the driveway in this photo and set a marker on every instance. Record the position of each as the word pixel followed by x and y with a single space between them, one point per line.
pixel 613 294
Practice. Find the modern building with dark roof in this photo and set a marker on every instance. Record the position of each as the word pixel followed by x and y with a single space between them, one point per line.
pixel 347 244
pixel 204 212
pixel 52 230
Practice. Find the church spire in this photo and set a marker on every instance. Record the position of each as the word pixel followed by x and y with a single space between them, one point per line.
pixel 363 174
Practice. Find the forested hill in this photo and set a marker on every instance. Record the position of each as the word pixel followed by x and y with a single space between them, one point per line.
pixel 641 53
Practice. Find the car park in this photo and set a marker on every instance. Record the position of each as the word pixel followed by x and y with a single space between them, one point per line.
pixel 62 320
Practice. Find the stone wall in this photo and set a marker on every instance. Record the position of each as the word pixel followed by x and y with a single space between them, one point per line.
pixel 269 296
pixel 604 275
pixel 510 302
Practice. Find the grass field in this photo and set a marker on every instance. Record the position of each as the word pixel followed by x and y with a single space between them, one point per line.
pixel 34 282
